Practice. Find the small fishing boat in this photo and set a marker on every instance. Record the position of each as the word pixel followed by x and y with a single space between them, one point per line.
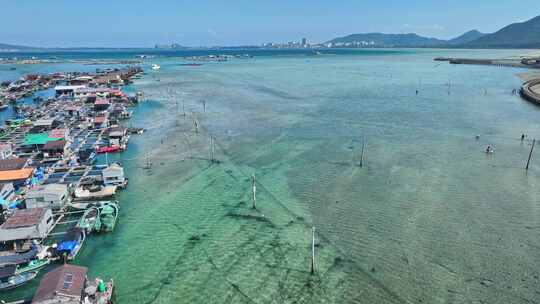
pixel 108 216
pixel 111 149
pixel 156 67
pixel 90 220
pixel 71 244
pixel 94 192
pixel 91 204
pixel 9 279
pixel 34 265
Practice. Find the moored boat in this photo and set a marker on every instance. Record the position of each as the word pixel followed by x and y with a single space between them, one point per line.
pixel 90 220
pixel 108 216
pixel 9 279
pixel 95 192
pixel 90 204
pixel 34 265
pixel 110 149
pixel 71 244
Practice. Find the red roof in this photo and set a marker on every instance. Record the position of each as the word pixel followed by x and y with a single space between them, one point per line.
pixel 101 101
pixel 54 145
pixel 100 119
pixel 58 133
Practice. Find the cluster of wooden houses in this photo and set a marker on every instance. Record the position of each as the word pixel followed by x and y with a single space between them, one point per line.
pixel 27 86
pixel 49 178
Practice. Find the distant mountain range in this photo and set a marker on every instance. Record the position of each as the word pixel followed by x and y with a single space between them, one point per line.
pixel 10 47
pixel 387 40
pixel 404 40
pixel 466 38
pixel 517 35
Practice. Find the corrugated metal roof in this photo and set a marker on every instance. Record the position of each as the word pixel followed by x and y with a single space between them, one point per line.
pixel 54 145
pixel 66 280
pixel 24 218
pixel 12 164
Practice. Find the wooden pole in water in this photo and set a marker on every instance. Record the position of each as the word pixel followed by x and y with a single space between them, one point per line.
pixel 183 107
pixel 204 105
pixel 530 154
pixel 196 124
pixel 312 271
pixel 212 148
pixel 148 163
pixel 254 191
pixel 362 153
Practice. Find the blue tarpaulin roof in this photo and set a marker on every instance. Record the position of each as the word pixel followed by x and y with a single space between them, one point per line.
pixel 67 246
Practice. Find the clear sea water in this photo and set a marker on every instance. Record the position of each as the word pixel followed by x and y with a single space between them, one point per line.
pixel 429 218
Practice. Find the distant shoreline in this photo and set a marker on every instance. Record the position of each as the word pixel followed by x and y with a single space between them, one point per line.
pixel 89 49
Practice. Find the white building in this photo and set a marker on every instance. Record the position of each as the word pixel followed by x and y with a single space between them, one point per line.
pixel 25 225
pixel 53 196
pixel 114 176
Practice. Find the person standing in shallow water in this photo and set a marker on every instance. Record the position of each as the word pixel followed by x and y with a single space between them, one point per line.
pixel 522 137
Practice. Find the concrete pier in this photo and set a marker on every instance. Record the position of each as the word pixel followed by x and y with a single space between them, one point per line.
pixel 530 91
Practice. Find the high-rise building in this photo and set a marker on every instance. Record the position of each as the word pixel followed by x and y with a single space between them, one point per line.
pixel 304 41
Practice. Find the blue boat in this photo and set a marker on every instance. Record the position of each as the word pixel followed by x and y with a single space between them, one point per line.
pixel 71 244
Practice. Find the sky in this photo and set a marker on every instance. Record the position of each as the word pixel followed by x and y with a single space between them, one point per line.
pixel 144 23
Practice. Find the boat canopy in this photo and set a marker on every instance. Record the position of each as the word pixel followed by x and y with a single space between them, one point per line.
pixel 67 246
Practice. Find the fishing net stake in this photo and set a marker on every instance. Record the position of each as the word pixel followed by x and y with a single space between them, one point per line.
pixel 530 155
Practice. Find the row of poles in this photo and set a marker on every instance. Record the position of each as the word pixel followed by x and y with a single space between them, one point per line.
pixel 213 159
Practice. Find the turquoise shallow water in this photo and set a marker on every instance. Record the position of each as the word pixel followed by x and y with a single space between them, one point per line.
pixel 430 218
